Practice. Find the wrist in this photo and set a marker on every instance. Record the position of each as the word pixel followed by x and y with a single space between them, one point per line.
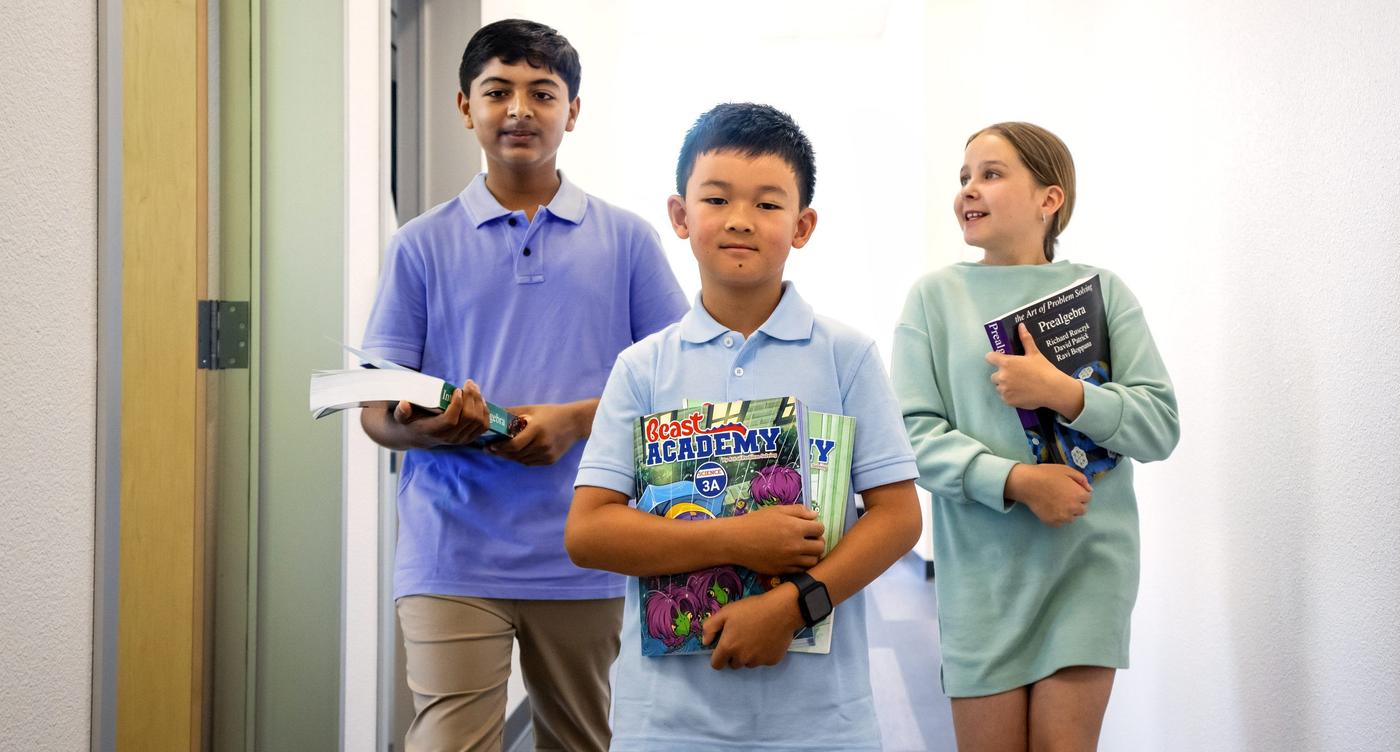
pixel 1069 398
pixel 1016 481
pixel 813 599
pixel 786 595
pixel 582 418
pixel 583 412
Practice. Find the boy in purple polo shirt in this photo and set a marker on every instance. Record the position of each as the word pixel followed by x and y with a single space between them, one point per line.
pixel 745 180
pixel 523 288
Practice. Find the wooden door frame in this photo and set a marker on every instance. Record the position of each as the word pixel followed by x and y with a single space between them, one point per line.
pixel 157 696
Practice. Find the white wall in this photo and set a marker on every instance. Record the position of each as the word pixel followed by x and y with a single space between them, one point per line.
pixel 1237 166
pixel 48 366
pixel 650 69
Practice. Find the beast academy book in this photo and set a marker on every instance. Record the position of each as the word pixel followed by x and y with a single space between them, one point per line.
pixel 1071 329
pixel 710 461
pixel 831 438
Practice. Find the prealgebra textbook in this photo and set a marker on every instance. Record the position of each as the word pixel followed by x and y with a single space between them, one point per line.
pixel 715 460
pixel 1071 329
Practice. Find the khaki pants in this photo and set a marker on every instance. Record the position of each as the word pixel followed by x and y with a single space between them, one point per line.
pixel 459 652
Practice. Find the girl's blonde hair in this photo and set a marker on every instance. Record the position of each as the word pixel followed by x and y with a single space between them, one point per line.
pixel 1050 163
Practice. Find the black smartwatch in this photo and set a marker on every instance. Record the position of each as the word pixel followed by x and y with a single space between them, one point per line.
pixel 813 602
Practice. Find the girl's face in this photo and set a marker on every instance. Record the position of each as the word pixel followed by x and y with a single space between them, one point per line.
pixel 1000 205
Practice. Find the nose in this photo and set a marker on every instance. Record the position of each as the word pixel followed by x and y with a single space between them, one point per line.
pixel 519 107
pixel 737 220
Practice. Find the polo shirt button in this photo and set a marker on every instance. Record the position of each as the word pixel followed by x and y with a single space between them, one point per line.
pixel 511 221
pixel 527 251
pixel 728 341
pixel 738 372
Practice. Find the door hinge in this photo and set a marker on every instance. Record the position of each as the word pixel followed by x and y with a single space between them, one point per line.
pixel 223 334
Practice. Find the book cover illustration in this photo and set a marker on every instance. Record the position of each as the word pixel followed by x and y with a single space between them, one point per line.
pixel 714 460
pixel 831 439
pixel 1071 329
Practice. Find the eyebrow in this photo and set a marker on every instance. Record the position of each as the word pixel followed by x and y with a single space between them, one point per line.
pixel 989 163
pixel 508 82
pixel 723 185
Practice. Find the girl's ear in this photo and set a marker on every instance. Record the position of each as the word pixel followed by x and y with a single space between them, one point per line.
pixel 806 224
pixel 675 209
pixel 1053 200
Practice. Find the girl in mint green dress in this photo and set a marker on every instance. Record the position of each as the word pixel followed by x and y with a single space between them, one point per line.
pixel 1037 571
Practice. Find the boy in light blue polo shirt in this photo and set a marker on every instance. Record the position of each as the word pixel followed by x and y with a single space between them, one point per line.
pixel 745 179
pixel 524 288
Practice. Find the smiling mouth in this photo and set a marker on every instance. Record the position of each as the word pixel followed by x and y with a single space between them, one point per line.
pixel 517 134
pixel 969 216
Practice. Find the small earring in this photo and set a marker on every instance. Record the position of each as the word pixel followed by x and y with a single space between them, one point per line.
pixel 1043 219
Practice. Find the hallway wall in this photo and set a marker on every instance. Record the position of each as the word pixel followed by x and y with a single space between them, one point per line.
pixel 48 367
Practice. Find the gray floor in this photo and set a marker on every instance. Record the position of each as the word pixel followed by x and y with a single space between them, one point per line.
pixel 902 623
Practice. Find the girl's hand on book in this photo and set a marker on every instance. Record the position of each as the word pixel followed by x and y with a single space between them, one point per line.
pixel 1031 381
pixel 1057 494
pixel 550 431
pixel 461 423
pixel 780 539
pixel 754 631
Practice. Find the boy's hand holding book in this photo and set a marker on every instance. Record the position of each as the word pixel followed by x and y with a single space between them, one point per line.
pixel 1057 494
pixel 464 420
pixel 780 539
pixel 550 432
pixel 754 631
pixel 1031 381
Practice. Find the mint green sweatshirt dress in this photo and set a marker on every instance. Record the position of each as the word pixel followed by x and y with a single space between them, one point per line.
pixel 1018 600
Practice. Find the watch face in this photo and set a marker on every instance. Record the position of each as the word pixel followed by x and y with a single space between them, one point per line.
pixel 818 604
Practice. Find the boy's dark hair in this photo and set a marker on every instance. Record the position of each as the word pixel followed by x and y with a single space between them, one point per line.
pixel 514 39
pixel 752 130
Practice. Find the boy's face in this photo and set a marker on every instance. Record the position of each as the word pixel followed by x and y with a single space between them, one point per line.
pixel 741 215
pixel 519 113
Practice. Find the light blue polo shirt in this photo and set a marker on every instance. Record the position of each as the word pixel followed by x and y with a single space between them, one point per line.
pixel 806 702
pixel 534 312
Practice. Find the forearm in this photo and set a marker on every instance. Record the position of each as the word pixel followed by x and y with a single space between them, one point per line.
pixel 583 412
pixel 1067 398
pixel 889 529
pixel 380 426
pixel 953 465
pixel 604 534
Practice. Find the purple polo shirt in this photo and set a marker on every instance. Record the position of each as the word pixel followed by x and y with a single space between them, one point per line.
pixel 533 312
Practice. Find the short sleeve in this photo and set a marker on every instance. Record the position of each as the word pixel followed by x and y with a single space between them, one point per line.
pixel 657 300
pixel 398 322
pixel 607 460
pixel 882 454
